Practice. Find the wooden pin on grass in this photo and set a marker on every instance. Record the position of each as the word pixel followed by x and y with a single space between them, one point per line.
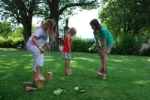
pixel 39 84
pixel 49 76
pixel 102 76
pixel 69 73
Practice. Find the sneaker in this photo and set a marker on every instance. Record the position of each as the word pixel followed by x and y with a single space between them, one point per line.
pixel 102 71
pixel 59 91
pixel 79 89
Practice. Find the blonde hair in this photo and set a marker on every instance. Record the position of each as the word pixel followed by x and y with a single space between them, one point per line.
pixel 50 27
pixel 72 31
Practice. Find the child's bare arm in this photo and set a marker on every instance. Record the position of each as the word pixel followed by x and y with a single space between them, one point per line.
pixel 47 45
pixel 104 46
pixel 68 42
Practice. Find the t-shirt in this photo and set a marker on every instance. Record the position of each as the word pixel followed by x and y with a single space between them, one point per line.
pixel 41 37
pixel 66 48
pixel 104 33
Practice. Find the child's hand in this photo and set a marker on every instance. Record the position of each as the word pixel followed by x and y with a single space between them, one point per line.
pixel 48 47
pixel 42 50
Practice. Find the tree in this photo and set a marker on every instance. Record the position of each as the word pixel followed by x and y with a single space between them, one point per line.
pixel 5 29
pixel 125 16
pixel 58 7
pixel 22 11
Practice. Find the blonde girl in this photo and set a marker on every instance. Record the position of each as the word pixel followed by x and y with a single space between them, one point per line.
pixel 67 49
pixel 36 43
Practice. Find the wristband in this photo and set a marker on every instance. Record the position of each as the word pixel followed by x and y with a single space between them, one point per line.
pixel 40 47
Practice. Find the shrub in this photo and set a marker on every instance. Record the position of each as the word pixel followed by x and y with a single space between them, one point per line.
pixel 79 45
pixel 127 44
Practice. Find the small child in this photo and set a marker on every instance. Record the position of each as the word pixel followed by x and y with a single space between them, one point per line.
pixel 35 46
pixel 67 49
pixel 104 42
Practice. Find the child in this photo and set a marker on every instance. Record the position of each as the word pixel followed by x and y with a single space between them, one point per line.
pixel 104 42
pixel 67 49
pixel 35 46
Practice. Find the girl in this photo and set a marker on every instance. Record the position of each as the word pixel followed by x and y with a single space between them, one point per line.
pixel 67 49
pixel 104 42
pixel 35 46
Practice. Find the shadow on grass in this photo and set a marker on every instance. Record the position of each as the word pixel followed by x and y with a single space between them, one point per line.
pixel 127 77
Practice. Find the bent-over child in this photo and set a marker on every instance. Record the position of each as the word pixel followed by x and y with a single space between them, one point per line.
pixel 36 43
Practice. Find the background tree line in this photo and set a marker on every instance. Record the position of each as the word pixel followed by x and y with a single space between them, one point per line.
pixel 22 11
pixel 128 21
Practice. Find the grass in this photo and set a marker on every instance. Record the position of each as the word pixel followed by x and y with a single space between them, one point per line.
pixel 127 77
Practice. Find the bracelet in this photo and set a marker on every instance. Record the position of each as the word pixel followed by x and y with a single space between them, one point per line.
pixel 40 47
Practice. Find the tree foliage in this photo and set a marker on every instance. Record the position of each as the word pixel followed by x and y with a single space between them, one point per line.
pixel 5 29
pixel 125 16
pixel 22 11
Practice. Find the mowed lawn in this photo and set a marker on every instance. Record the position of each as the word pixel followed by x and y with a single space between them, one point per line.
pixel 128 77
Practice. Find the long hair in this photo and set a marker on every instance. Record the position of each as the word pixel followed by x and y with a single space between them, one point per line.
pixel 96 23
pixel 50 27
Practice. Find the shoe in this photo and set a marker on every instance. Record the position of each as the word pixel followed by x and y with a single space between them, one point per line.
pixel 29 87
pixel 59 91
pixel 102 71
pixel 79 89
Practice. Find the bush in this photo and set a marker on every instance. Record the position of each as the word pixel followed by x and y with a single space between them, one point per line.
pixel 127 44
pixel 83 45
pixel 10 42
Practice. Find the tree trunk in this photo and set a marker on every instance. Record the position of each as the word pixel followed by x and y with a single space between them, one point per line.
pixel 54 9
pixel 27 29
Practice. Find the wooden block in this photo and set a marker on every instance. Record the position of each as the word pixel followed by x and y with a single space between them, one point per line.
pixel 69 73
pixel 103 76
pixel 49 76
pixel 39 84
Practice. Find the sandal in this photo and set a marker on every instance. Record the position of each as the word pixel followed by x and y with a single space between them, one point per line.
pixel 30 88
pixel 59 91
pixel 79 89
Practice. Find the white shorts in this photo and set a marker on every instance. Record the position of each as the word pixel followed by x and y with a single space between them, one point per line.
pixel 37 56
pixel 66 55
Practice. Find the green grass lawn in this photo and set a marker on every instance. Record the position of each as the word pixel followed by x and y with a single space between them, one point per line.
pixel 128 77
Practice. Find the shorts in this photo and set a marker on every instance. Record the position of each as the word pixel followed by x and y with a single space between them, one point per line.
pixel 108 49
pixel 37 56
pixel 66 55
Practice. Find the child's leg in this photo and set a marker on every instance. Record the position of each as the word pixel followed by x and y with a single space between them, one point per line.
pixel 67 63
pixel 34 76
pixel 104 63
pixel 39 76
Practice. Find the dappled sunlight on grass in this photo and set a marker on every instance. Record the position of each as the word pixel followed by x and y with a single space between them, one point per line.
pixel 127 77
pixel 83 58
pixel 141 82
pixel 117 60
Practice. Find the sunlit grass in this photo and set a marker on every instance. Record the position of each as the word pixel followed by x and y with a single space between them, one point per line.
pixel 127 77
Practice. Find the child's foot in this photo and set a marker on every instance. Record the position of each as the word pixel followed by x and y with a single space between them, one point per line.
pixel 102 71
pixel 41 78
